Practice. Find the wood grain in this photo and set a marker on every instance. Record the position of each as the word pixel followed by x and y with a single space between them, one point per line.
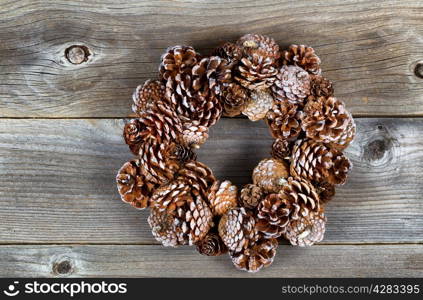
pixel 158 261
pixel 369 49
pixel 57 180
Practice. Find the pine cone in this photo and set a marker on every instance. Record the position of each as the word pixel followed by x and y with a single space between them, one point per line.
pixel 320 86
pixel 229 51
pixel 194 134
pixel 281 149
pixel 306 230
pixel 194 84
pixel 180 153
pixel 284 121
pixel 259 44
pixel 198 175
pixel 326 120
pixel 234 98
pixel 259 255
pixel 146 95
pixel 257 68
pixel 273 215
pixel 302 56
pixel 317 162
pixel 211 245
pixel 179 215
pixel 292 83
pixel 302 195
pixel 270 174
pixel 222 197
pixel 251 196
pixel 326 191
pixel 160 124
pixel 257 106
pixel 346 137
pixel 237 229
pixel 132 185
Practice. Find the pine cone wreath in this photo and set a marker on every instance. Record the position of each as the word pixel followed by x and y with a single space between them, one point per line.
pixel 179 215
pixel 270 174
pixel 211 245
pixel 237 229
pixel 284 121
pixel 257 106
pixel 257 256
pixel 306 230
pixel 250 196
pixel 326 120
pixel 318 162
pixel 292 83
pixel 222 197
pixel 302 56
pixel 253 77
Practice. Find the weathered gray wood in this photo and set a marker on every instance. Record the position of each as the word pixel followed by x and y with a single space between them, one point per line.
pixel 158 261
pixel 57 180
pixel 369 49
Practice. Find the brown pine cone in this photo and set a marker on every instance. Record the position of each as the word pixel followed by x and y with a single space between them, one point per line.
pixel 222 197
pixel 146 95
pixel 292 83
pixel 302 195
pixel 273 215
pixel 194 134
pixel 259 103
pixel 270 174
pixel 180 153
pixel 234 98
pixel 346 137
pixel 159 165
pixel 284 121
pixel 259 44
pixel 133 186
pixel 160 124
pixel 326 120
pixel 317 162
pixel 306 230
pixel 229 51
pixel 257 68
pixel 325 190
pixel 281 149
pixel 198 175
pixel 237 229
pixel 193 84
pixel 302 56
pixel 179 215
pixel 320 86
pixel 257 256
pixel 211 245
pixel 251 196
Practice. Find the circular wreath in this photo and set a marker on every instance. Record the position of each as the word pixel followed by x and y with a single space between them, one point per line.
pixel 188 205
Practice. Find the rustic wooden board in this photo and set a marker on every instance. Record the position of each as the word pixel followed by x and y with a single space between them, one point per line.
pixel 158 261
pixel 57 180
pixel 369 49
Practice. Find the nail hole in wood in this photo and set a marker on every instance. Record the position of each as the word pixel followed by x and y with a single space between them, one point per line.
pixel 380 127
pixel 77 54
pixel 63 267
pixel 418 70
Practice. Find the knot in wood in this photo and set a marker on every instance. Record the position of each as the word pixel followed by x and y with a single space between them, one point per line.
pixel 62 267
pixel 418 70
pixel 77 54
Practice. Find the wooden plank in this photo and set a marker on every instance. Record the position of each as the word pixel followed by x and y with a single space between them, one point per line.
pixel 57 180
pixel 369 49
pixel 158 261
